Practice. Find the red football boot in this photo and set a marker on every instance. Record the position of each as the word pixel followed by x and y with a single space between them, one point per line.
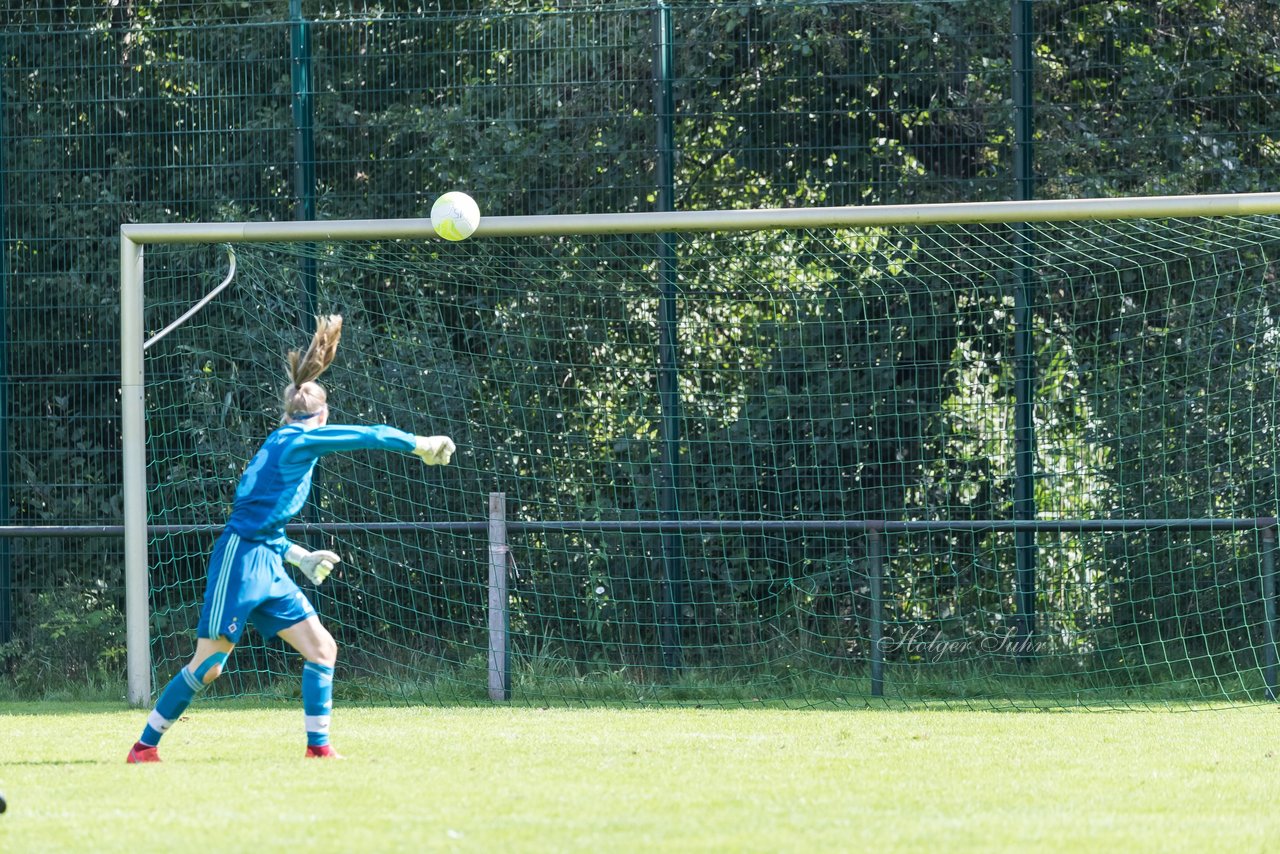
pixel 141 753
pixel 323 751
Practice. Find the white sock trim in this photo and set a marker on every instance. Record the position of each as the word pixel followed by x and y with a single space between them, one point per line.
pixel 158 722
pixel 316 723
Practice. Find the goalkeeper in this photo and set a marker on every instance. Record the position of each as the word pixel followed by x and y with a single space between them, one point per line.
pixel 246 579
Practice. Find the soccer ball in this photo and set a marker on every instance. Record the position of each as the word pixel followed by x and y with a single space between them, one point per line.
pixel 455 216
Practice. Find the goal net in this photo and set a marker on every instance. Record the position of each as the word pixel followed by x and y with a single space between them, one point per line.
pixel 752 465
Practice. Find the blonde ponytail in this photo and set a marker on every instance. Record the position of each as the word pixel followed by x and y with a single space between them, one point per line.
pixel 305 397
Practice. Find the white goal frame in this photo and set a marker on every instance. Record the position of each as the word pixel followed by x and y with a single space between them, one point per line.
pixel 135 236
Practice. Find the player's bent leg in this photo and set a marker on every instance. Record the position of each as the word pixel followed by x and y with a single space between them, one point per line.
pixel 320 650
pixel 205 666
pixel 209 659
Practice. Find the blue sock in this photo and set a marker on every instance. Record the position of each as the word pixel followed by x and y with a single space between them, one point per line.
pixel 317 702
pixel 175 698
pixel 173 701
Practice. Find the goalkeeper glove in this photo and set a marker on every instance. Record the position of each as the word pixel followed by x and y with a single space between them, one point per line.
pixel 434 450
pixel 316 565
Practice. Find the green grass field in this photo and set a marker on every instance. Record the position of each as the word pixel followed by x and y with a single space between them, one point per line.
pixel 528 779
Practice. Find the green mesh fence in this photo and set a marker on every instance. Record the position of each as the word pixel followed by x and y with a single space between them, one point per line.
pixel 840 529
pixel 191 110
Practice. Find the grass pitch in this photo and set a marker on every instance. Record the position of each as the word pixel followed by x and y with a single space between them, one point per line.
pixel 528 779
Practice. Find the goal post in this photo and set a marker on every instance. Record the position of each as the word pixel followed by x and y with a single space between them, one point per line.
pixel 813 587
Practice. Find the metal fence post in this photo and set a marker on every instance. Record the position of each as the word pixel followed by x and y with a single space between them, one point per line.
pixel 304 183
pixel 668 368
pixel 6 567
pixel 1024 500
pixel 1269 606
pixel 304 146
pixel 499 639
pixel 875 576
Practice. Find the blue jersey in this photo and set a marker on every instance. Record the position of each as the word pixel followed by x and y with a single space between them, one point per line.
pixel 277 482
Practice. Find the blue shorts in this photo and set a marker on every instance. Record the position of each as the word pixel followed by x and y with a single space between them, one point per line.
pixel 247 582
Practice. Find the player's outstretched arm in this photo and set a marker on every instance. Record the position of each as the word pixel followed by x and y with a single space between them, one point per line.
pixel 434 450
pixel 331 438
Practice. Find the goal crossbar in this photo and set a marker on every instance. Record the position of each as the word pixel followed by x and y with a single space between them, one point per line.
pixel 1041 210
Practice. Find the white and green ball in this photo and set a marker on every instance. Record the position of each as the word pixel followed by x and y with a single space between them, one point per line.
pixel 455 216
